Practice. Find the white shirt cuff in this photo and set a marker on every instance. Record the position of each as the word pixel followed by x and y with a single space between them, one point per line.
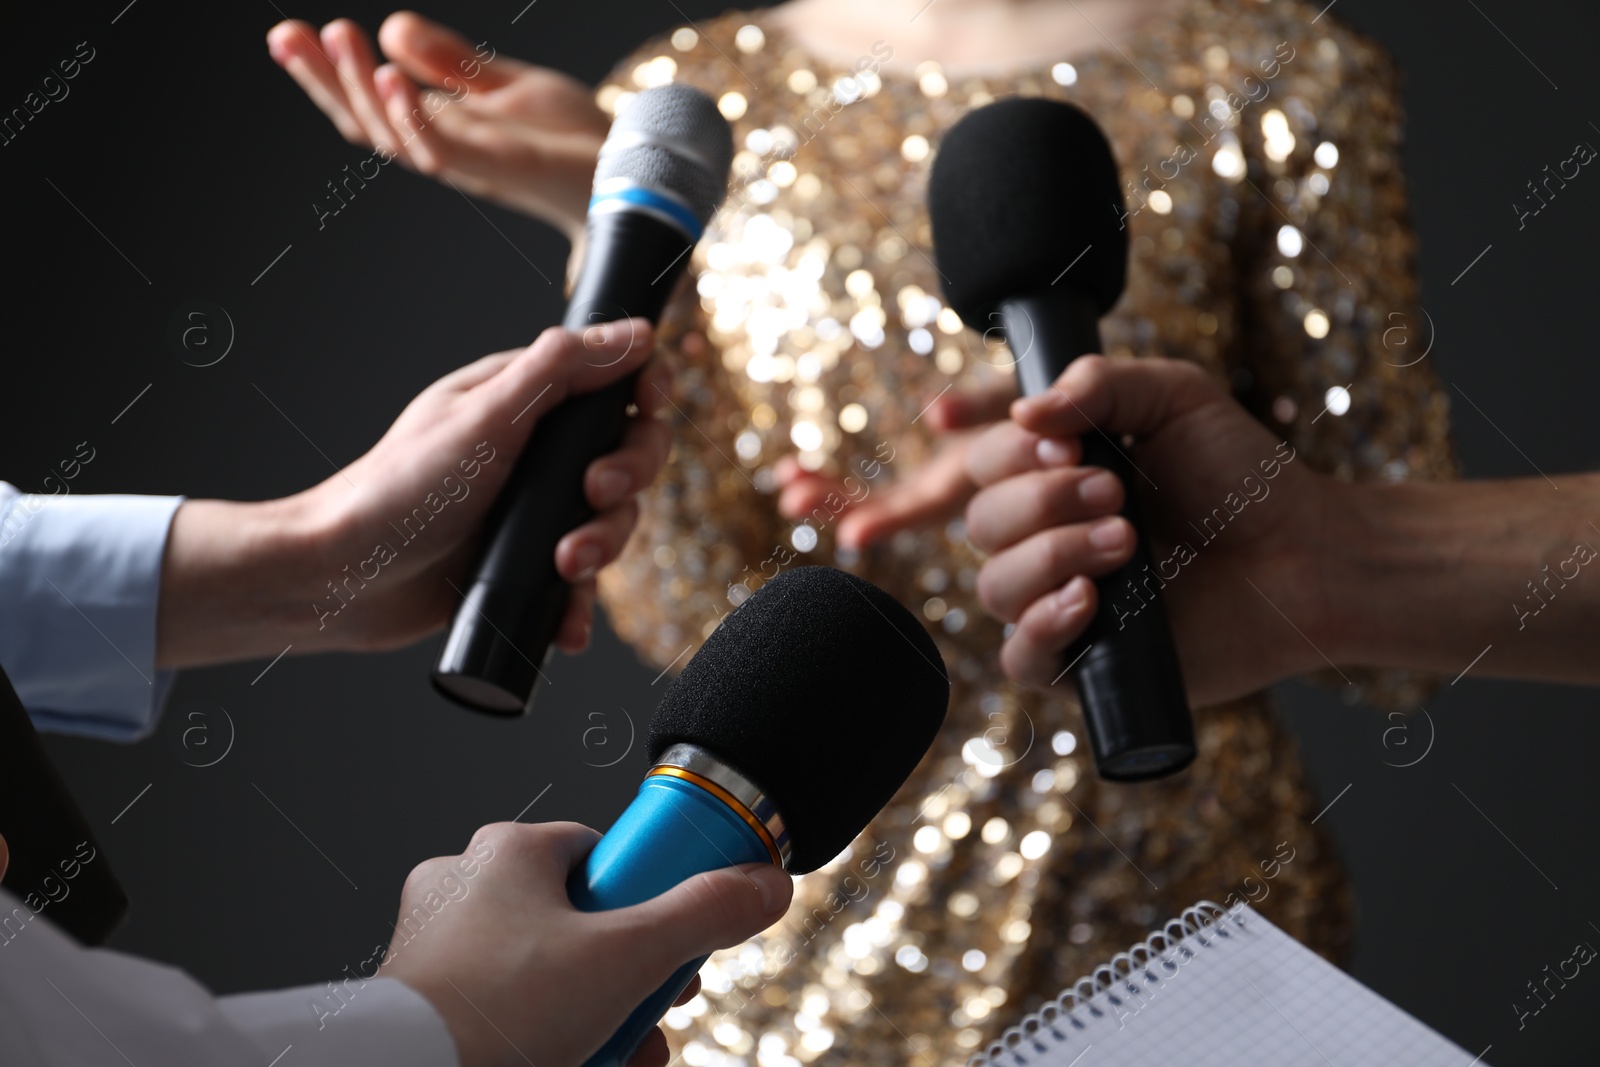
pixel 80 578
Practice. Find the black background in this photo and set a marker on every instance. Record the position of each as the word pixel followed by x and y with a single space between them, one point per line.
pixel 197 157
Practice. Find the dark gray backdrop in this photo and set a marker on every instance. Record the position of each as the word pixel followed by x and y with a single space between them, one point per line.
pixel 184 161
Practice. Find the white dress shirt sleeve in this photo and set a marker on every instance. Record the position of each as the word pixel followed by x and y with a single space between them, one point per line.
pixel 62 1005
pixel 79 581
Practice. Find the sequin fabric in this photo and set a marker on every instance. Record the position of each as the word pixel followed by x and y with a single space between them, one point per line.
pixel 1273 249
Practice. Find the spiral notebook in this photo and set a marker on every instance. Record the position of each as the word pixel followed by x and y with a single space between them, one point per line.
pixel 1220 988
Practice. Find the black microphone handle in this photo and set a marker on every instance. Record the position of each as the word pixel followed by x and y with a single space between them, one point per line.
pixel 509 617
pixel 1129 683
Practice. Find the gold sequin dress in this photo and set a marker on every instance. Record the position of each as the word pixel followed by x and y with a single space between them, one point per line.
pixel 1270 244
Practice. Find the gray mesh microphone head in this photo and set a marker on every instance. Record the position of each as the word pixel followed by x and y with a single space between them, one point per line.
pixel 673 139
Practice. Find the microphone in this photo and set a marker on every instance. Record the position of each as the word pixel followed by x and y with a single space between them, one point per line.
pixel 1027 216
pixel 661 175
pixel 56 865
pixel 791 728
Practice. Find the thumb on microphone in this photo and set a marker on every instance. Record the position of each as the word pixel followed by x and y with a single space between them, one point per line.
pixel 1118 396
pixel 712 910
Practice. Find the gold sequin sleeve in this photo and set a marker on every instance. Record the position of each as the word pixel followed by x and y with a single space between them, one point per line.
pixel 1334 342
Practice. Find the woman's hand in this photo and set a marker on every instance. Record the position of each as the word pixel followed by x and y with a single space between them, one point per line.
pixel 524 136
pixel 933 493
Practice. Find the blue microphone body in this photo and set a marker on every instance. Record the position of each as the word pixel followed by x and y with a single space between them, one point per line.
pixel 676 827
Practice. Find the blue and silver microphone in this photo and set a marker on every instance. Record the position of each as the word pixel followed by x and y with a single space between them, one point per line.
pixel 746 767
pixel 661 175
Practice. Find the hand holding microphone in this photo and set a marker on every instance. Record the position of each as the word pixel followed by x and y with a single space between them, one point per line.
pixel 1038 510
pixel 519 975
pixel 786 733
pixel 1026 208
pixel 370 558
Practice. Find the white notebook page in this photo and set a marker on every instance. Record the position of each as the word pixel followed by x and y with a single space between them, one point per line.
pixel 1253 997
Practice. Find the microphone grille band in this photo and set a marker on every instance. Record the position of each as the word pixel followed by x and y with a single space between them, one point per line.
pixel 671 138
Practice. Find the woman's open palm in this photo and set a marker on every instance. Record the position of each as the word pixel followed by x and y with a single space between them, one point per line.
pixel 487 124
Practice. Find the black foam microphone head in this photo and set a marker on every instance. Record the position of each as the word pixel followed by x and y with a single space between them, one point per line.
pixel 1019 189
pixel 824 692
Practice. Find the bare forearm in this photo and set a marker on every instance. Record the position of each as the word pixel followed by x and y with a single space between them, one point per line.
pixel 229 582
pixel 1430 575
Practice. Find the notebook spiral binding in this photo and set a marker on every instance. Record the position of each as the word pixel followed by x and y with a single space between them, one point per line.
pixel 1055 1021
